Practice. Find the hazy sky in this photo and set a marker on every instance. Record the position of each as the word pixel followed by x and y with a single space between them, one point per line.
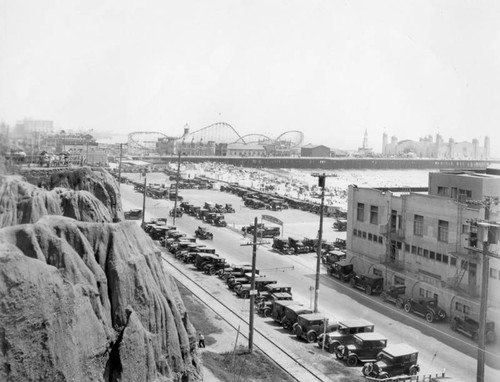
pixel 329 68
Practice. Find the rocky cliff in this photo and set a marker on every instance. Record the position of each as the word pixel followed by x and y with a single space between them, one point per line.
pixel 82 194
pixel 86 301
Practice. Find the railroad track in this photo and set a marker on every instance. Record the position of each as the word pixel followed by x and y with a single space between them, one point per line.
pixel 287 361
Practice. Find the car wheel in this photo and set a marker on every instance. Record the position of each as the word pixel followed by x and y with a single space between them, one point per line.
pixel 339 352
pixel 399 303
pixel 407 307
pixel 298 331
pixel 429 317
pixel 286 325
pixel 368 290
pixel 211 271
pixel 352 360
pixel 383 375
pixel 267 313
pixel 332 348
pixel 311 336
pixel 245 294
pixel 367 369
pixel 413 370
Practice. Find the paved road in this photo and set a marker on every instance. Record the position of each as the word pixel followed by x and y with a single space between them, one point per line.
pixel 439 348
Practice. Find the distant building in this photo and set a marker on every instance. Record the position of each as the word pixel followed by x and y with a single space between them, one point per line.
pixel 424 240
pixel 246 150
pixel 365 150
pixel 426 147
pixel 315 151
pixel 31 126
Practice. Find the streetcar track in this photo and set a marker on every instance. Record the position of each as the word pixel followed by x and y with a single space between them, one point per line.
pixel 283 351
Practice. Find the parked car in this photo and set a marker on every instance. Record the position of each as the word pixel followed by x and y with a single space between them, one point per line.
pixel 394 360
pixel 279 309
pixel 343 270
pixel 265 307
pixel 281 246
pixel 369 284
pixel 340 224
pixel 243 288
pixel 135 214
pixel 310 326
pixel 426 307
pixel 340 244
pixel 345 333
pixel 365 348
pixel 291 314
pixel 332 256
pixel 215 266
pixel 470 327
pixel 271 288
pixel 177 211
pixel 395 294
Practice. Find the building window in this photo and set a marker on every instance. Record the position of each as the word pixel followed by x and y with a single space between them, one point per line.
pixel 375 238
pixel 364 234
pixel 361 212
pixel 419 251
pixel 466 310
pixel 438 257
pixel 465 264
pixel 414 249
pixel 453 261
pixel 399 245
pixel 380 240
pixel 373 215
pixel 418 225
pixel 407 247
pixel 422 292
pixel 432 255
pixel 443 191
pixel 443 231
pixel 354 232
pixel 370 236
pixel 445 259
pixel 426 253
pixel 493 273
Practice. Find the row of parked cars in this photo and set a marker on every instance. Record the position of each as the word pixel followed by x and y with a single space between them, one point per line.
pixel 353 341
pixel 427 307
pixel 211 213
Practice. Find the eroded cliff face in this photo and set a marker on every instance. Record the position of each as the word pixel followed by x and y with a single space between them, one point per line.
pixel 90 301
pixel 82 298
pixel 82 194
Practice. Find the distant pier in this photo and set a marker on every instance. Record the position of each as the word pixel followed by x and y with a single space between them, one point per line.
pixel 332 163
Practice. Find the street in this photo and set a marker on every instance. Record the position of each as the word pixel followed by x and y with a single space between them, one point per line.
pixel 439 348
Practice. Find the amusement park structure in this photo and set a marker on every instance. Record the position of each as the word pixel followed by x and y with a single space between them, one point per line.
pixel 214 139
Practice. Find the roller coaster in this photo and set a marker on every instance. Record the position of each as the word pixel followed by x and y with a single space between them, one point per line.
pixel 219 132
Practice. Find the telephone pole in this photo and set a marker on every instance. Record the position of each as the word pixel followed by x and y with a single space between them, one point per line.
pixel 144 202
pixel 119 166
pixel 321 183
pixel 177 186
pixel 487 237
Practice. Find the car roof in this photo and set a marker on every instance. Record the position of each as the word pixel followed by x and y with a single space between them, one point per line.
pixel 278 286
pixel 337 252
pixel 283 295
pixel 355 322
pixel 398 350
pixel 343 262
pixel 298 307
pixel 313 316
pixel 371 336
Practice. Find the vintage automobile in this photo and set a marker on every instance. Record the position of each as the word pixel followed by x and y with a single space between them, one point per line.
pixel 345 333
pixel 364 348
pixel 332 256
pixel 270 289
pixel 290 315
pixel 279 308
pixel 219 221
pixel 395 294
pixel 298 246
pixel 243 289
pixel 369 284
pixel 229 209
pixel 203 259
pixel 470 327
pixel 215 266
pixel 310 326
pixel 340 224
pixel 340 244
pixel 233 269
pixel 176 211
pixel 203 234
pixel 281 246
pixel 133 214
pixel 426 307
pixel 265 307
pixel 394 360
pixel 343 270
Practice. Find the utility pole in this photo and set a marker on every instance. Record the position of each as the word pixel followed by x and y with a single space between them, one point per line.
pixel 120 166
pixel 177 186
pixel 144 201
pixel 485 270
pixel 321 183
pixel 253 292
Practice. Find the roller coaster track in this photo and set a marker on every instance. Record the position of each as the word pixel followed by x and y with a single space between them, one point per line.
pixel 287 361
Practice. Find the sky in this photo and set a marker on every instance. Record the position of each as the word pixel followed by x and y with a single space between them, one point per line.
pixel 330 68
